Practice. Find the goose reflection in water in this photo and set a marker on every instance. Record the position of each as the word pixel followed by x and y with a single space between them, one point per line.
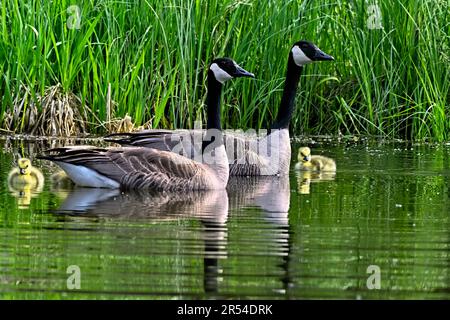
pixel 305 178
pixel 24 195
pixel 209 207
pixel 270 194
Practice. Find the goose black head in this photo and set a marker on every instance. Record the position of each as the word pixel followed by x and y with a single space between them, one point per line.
pixel 225 69
pixel 304 52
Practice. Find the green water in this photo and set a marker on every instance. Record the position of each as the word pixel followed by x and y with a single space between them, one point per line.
pixel 305 236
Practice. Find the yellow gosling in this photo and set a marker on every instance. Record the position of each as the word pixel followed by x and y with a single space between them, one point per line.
pixel 314 163
pixel 61 185
pixel 25 182
pixel 61 179
pixel 25 175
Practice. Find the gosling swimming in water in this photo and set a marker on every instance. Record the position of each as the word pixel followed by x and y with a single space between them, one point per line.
pixel 25 182
pixel 314 163
pixel 61 179
pixel 25 175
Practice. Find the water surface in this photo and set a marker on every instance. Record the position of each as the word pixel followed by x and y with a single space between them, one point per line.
pixel 303 236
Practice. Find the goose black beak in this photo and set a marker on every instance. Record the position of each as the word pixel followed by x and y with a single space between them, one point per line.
pixel 22 171
pixel 240 72
pixel 322 56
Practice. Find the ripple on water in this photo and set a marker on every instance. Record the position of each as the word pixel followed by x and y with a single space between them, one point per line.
pixel 305 236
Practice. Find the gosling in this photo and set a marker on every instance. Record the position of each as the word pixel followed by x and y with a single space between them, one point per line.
pixel 314 163
pixel 61 179
pixel 25 175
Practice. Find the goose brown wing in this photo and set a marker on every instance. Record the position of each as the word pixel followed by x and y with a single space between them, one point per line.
pixel 183 142
pixel 243 154
pixel 133 167
pixel 242 150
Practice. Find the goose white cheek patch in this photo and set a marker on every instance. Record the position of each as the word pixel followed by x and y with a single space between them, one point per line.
pixel 299 56
pixel 220 74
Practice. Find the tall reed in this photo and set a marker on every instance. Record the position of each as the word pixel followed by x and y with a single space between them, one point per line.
pixel 390 78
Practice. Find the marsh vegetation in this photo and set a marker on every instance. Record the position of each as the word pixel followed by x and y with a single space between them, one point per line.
pixel 69 70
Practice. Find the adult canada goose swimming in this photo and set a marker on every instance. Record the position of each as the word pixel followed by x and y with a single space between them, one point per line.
pixel 307 162
pixel 140 168
pixel 248 156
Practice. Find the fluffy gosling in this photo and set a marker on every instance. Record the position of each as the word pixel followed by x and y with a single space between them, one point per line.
pixel 25 175
pixel 25 182
pixel 314 163
pixel 61 179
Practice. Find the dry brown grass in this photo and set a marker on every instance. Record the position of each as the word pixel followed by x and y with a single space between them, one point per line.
pixel 55 113
pixel 121 125
pixel 58 114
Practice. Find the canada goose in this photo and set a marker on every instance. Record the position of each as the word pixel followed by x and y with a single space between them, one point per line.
pixel 314 163
pixel 247 156
pixel 147 168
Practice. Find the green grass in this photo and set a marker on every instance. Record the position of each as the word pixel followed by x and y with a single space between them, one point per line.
pixel 393 82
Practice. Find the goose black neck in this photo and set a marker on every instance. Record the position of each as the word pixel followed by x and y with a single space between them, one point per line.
pixel 287 104
pixel 213 124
